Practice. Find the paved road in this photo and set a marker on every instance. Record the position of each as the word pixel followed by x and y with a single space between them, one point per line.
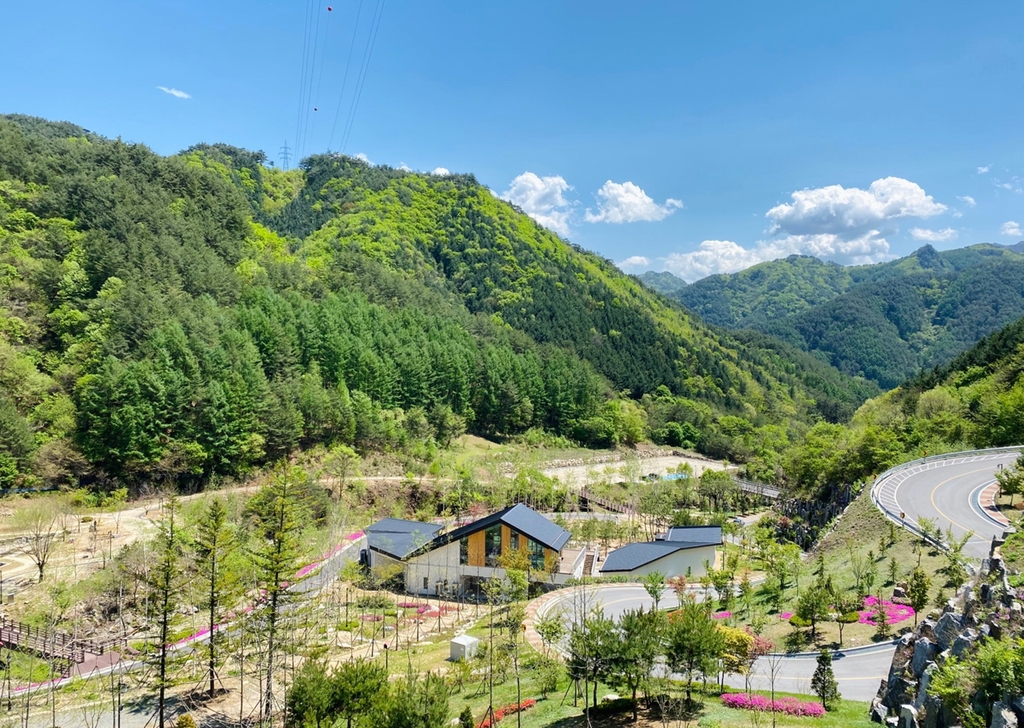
pixel 947 492
pixel 858 671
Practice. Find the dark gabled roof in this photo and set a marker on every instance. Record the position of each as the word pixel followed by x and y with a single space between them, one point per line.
pixel 521 518
pixel 634 555
pixel 706 535
pixel 398 538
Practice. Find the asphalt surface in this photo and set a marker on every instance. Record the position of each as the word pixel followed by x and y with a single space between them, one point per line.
pixel 946 491
pixel 858 672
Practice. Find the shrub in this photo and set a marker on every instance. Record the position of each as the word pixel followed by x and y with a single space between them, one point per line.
pixel 789 706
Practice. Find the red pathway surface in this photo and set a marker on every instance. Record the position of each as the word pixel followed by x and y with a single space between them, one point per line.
pixel 987 498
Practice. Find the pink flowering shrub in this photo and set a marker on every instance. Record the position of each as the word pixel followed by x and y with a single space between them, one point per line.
pixel 411 605
pixel 722 615
pixel 894 613
pixel 789 706
pixel 786 616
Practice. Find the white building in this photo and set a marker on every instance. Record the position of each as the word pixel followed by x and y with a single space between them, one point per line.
pixel 683 551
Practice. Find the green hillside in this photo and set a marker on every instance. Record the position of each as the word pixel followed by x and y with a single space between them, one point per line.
pixel 186 317
pixel 975 401
pixel 884 322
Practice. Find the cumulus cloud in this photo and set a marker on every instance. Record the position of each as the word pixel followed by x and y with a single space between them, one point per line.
pixel 967 200
pixel 440 172
pixel 635 262
pixel 985 169
pixel 542 198
pixel 725 256
pixel 845 225
pixel 177 93
pixel 851 212
pixel 361 156
pixel 933 236
pixel 626 202
pixel 405 167
pixel 1011 228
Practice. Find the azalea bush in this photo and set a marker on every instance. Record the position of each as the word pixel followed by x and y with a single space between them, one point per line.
pixel 894 613
pixel 788 706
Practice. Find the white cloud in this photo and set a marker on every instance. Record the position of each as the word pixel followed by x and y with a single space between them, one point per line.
pixel 626 202
pixel 933 236
pixel 1012 228
pixel 985 169
pixel 967 200
pixel 851 213
pixel 440 172
pixel 405 167
pixel 635 262
pixel 361 156
pixel 542 198
pixel 725 256
pixel 174 92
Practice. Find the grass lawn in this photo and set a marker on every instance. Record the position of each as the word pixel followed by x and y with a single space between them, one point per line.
pixel 712 714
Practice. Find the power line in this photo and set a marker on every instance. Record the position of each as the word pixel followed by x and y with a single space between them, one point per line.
pixel 302 70
pixel 344 79
pixel 312 71
pixel 286 155
pixel 367 56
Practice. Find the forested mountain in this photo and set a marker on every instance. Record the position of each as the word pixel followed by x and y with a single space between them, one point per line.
pixel 884 322
pixel 663 282
pixel 178 318
pixel 975 401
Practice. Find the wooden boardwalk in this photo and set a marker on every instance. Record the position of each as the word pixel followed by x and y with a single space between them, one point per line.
pixel 48 644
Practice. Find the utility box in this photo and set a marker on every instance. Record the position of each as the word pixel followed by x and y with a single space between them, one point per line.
pixel 464 647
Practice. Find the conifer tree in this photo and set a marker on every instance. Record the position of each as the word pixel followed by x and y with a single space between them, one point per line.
pixel 164 585
pixel 213 545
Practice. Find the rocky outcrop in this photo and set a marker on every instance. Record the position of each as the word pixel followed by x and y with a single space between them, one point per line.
pixel 978 612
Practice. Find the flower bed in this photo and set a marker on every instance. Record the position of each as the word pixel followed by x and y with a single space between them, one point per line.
pixel 789 706
pixel 411 605
pixel 894 613
pixel 508 710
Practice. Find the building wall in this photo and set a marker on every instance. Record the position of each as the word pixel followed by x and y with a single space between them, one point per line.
pixel 476 548
pixel 441 564
pixel 676 564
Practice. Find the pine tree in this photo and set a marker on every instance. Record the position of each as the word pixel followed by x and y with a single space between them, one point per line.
pixel 823 683
pixel 275 560
pixel 214 544
pixel 164 585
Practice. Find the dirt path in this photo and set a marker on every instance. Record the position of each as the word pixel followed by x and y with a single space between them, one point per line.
pixel 582 475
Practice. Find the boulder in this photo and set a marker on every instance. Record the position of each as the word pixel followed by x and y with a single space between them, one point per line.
pixel 927 629
pixel 963 643
pixel 985 593
pixel 899 592
pixel 995 631
pixel 922 689
pixel 925 652
pixel 947 628
pixel 900 691
pixel 908 717
pixel 1018 709
pixel 877 711
pixel 933 716
pixel 1002 716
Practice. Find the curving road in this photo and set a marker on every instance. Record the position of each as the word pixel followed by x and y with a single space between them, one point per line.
pixel 949 492
pixel 857 671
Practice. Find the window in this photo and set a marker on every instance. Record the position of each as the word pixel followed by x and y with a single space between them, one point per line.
pixel 536 556
pixel 513 541
pixel 464 551
pixel 492 545
pixel 426 584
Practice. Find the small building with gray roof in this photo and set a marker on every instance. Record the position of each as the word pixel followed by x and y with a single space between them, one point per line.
pixel 682 551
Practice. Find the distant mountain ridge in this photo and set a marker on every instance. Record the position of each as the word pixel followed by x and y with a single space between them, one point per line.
pixel 884 322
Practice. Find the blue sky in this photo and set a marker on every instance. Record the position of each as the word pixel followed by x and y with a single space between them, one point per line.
pixel 695 137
